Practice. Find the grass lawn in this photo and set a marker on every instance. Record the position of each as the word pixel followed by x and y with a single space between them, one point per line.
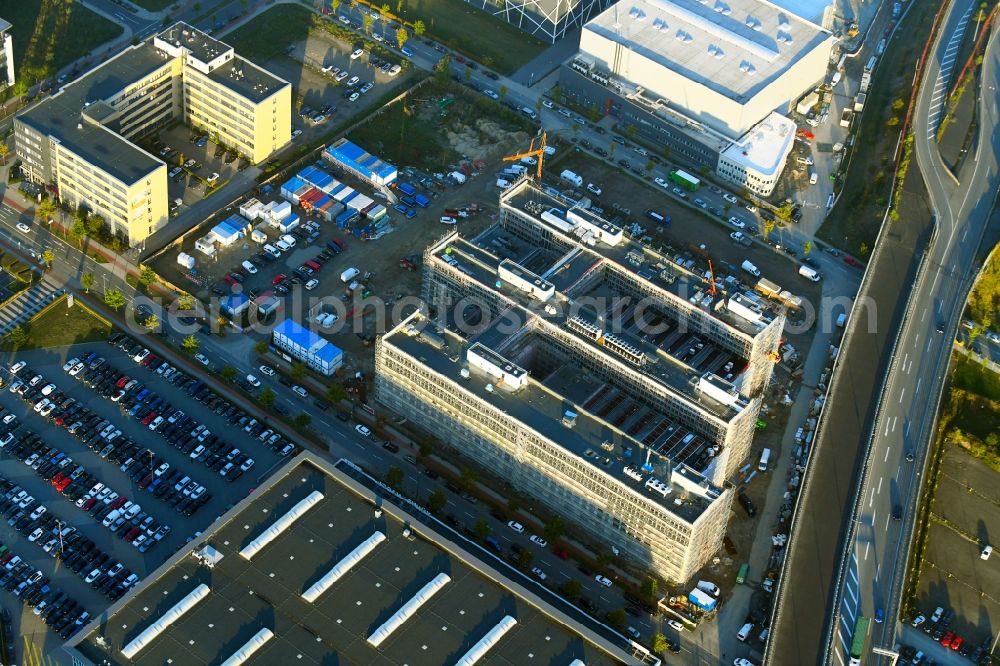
pixel 270 33
pixel 50 34
pixel 854 222
pixel 59 326
pixel 491 40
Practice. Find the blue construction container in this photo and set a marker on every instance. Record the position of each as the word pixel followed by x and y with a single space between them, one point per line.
pixel 406 188
pixel 422 201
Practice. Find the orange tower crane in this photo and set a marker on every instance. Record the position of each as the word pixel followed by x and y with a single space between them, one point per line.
pixel 538 154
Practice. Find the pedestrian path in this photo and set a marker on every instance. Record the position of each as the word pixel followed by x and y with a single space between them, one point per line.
pixel 26 304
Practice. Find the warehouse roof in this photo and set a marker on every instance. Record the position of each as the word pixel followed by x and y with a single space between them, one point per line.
pixel 734 47
pixel 765 147
pixel 334 574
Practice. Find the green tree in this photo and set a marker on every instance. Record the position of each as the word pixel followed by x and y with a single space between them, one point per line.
pixel 16 337
pixel 385 12
pixel 538 105
pixel 807 247
pixel 572 588
pixel 46 209
pixel 555 528
pixel 185 302
pixel 228 373
pixel 467 73
pixel 442 69
pixel 650 587
pixel 605 559
pixel 4 151
pixel 659 643
pixel 87 281
pixel 649 166
pixel 419 28
pixel 114 299
pixel 513 505
pixel 503 93
pixel 48 256
pixel 617 618
pixel 151 323
pixel 260 347
pixel 95 225
pixel 302 420
pixel 426 447
pixel 147 276
pixel 394 477
pixel 556 93
pixel 898 104
pixel 266 398
pixel 437 501
pixel 481 529
pixel 78 230
pixel 298 370
pixel 335 393
pixel 469 477
pixel 630 131
pixel 190 344
pixel 401 37
pixel 334 5
pixel 366 22
pixel 525 558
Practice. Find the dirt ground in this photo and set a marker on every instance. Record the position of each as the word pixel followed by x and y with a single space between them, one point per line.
pixel 965 514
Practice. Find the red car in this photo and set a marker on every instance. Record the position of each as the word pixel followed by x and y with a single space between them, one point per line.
pixel 64 484
pixel 279 278
pixel 57 478
pixel 341 244
pixel 850 261
pixel 956 643
pixel 228 279
pixel 947 638
pixel 149 418
pixel 118 502
pixel 122 382
pixel 132 534
pixel 146 480
pixel 561 554
pixel 89 504
pixel 149 360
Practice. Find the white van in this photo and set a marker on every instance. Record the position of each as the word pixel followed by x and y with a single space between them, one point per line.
pixel 809 273
pixel 745 632
pixel 750 268
pixel 709 587
pixel 271 250
pixel 349 275
pixel 813 178
pixel 765 457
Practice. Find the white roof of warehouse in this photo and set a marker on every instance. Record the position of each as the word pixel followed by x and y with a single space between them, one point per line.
pixel 732 46
pixel 764 148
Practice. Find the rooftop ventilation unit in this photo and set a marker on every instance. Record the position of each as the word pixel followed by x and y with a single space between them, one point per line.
pixel 783 21
pixel 658 486
pixel 632 473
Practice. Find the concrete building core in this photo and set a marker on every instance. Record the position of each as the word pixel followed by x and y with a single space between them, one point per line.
pixel 82 139
pixel 590 372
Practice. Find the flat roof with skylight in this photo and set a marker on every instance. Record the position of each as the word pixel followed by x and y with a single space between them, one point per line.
pixel 312 568
pixel 735 47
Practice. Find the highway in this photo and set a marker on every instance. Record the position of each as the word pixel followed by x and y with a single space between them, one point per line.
pixel 918 282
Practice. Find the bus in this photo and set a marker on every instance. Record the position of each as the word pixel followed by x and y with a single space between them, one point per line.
pixel 685 180
pixel 858 639
pixel 741 577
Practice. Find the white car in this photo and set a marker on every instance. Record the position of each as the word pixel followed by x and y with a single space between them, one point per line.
pixel 362 430
pixel 985 554
pixel 266 370
pixel 289 240
pixel 156 423
pixel 201 358
pixel 594 189
pixel 250 268
pixel 675 624
pixel 730 198
pixel 353 81
pixel 737 222
pixel 211 179
pixel 740 661
pixel 661 182
pixel 23 228
pixel 603 580
pixel 538 541
pixel 18 367
pixel 312 284
pixel 76 369
pixel 299 391
pixel 73 361
pixel 492 94
pixel 253 381
pixel 547 103
pixel 538 573
pixel 516 526
pixel 49 388
pixel 357 54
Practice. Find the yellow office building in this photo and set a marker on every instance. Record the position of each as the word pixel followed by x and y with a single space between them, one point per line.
pixel 80 141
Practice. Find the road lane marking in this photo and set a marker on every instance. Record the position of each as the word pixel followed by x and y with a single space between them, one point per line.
pixel 884 529
pixel 867 546
pixel 894 423
pixel 967 228
pixel 916 340
pixel 853 572
pixel 928 344
pixel 871 499
pixel 854 595
pixel 880 479
pixel 879 565
pixel 901 394
pixel 887 449
pixel 917 390
pixel 906 357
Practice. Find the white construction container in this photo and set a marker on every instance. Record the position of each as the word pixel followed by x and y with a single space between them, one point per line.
pixel 185 260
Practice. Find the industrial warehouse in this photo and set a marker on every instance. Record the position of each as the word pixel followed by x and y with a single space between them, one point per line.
pixel 710 82
pixel 538 361
pixel 312 568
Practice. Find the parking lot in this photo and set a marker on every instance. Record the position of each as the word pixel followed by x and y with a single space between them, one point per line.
pixel 955 577
pixel 197 166
pixel 325 78
pixel 112 472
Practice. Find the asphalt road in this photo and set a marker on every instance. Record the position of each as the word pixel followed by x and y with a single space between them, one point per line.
pixel 912 368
